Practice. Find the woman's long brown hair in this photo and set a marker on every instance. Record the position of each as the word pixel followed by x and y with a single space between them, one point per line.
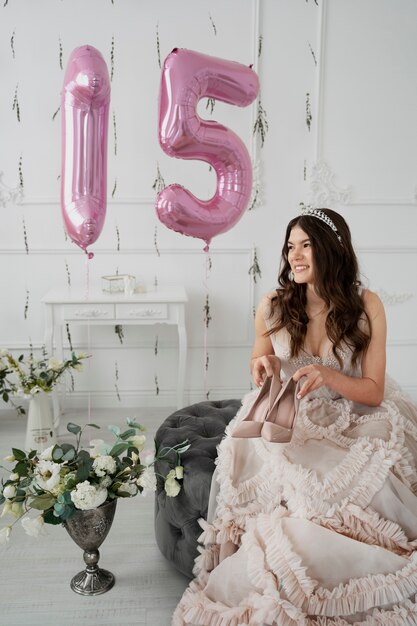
pixel 336 275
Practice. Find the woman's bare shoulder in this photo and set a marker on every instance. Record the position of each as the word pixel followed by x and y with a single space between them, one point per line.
pixel 372 303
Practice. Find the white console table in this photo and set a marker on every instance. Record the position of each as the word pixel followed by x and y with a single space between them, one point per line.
pixel 161 306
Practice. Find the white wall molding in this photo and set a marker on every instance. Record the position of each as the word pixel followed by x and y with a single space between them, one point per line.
pixel 9 195
pixel 323 191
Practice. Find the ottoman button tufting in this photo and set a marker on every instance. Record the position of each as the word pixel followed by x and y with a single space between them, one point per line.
pixel 176 519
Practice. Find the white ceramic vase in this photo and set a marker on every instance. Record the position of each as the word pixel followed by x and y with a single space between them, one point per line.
pixel 40 432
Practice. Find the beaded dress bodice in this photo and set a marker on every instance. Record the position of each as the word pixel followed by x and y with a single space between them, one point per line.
pixel 289 365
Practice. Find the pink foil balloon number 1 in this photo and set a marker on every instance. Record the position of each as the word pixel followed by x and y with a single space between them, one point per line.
pixel 85 115
pixel 187 77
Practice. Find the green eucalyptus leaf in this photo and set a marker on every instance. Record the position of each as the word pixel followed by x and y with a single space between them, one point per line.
pixel 118 448
pixel 21 468
pixel 31 454
pixel 83 456
pixel 5 396
pixel 19 455
pixel 94 426
pixel 134 424
pixel 182 449
pixel 131 432
pixel 59 508
pixel 57 453
pixel 43 502
pixel 73 428
pixel 114 429
pixel 69 455
pixel 2 499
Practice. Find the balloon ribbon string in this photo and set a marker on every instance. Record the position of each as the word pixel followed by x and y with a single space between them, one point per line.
pixel 206 319
pixel 87 296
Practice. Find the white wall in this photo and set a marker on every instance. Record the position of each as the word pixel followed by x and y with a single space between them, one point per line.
pixel 358 157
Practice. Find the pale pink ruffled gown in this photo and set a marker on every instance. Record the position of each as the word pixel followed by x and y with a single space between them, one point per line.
pixel 321 531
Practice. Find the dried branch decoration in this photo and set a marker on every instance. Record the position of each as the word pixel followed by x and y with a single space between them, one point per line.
pixel 68 274
pixel 114 188
pixel 312 54
pixel 25 235
pixel 260 42
pixel 261 124
pixel 116 375
pixel 56 113
pixel 213 24
pixel 210 105
pixel 156 385
pixel 12 43
pixel 207 361
pixel 255 269
pixel 155 241
pixel 156 346
pixel 308 112
pixel 112 59
pixel 60 54
pixel 117 238
pixel 6 2
pixel 159 182
pixel 305 170
pixel 118 329
pixel 25 313
pixel 69 336
pixel 158 49
pixel 114 133
pixel 15 106
pixel 20 170
pixel 155 282
pixel 206 309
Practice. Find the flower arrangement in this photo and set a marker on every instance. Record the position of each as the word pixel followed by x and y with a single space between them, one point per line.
pixel 26 378
pixel 64 478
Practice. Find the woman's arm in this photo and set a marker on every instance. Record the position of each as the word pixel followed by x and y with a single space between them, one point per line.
pixel 369 389
pixel 263 362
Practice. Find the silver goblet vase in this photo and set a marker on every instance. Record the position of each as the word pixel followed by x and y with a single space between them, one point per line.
pixel 89 529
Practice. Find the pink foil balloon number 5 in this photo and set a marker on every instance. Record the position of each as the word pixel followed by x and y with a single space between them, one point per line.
pixel 187 77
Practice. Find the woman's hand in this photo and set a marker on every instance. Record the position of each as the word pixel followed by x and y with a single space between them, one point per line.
pixel 265 366
pixel 315 377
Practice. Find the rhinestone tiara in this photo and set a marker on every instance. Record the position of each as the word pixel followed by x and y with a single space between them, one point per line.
pixel 323 217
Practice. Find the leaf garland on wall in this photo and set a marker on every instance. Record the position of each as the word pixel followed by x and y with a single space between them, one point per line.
pixel 26 309
pixel 16 105
pixel 309 117
pixel 12 44
pixel 118 329
pixel 60 53
pixel 69 338
pixel 68 273
pixel 260 126
pixel 112 59
pixel 116 383
pixel 156 352
pixel 114 133
pixel 213 25
pixel 255 269
pixel 158 47
pixel 25 235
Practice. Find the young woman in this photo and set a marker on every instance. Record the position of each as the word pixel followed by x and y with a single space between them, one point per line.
pixel 322 530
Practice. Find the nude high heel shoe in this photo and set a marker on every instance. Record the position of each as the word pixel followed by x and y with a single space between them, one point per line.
pixel 279 423
pixel 251 425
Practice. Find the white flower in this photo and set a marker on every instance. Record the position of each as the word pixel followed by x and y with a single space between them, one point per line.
pixel 14 476
pixel 47 474
pixel 147 480
pixel 35 390
pixel 98 447
pixel 9 491
pixel 86 496
pixel 179 472
pixel 172 486
pixel 138 441
pixel 105 482
pixel 46 455
pixel 10 458
pixel 34 526
pixel 54 364
pixel 12 508
pixel 130 488
pixel 104 465
pixel 5 534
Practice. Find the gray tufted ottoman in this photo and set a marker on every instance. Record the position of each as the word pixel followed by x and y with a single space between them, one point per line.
pixel 176 527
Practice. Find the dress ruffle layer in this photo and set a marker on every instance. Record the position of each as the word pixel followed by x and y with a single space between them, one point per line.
pixel 288 514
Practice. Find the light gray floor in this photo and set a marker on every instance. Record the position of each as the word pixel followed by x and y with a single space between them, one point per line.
pixel 35 573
